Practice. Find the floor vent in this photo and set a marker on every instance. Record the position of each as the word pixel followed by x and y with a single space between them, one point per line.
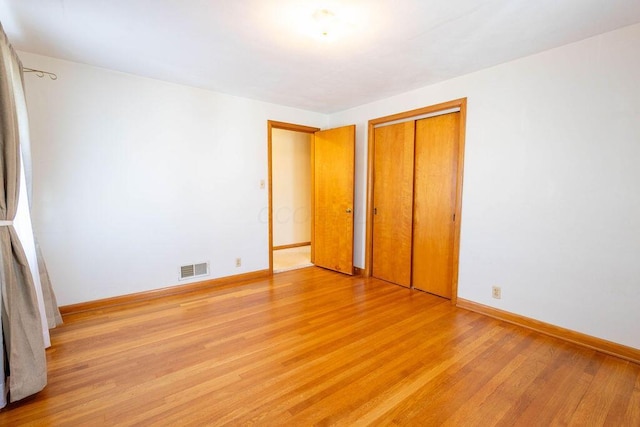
pixel 194 270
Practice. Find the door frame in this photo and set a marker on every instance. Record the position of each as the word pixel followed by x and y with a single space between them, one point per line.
pixel 432 110
pixel 272 124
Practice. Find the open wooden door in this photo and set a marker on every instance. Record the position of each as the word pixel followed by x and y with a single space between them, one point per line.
pixel 333 163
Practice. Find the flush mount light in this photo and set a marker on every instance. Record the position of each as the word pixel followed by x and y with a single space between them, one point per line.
pixel 321 21
pixel 327 23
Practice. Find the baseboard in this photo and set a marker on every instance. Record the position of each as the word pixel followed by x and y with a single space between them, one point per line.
pixel 292 245
pixel 628 353
pixel 162 292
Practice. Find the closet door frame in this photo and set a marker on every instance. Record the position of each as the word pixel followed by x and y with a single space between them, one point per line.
pixel 443 108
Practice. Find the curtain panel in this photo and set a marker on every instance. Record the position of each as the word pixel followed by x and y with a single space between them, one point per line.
pixel 51 313
pixel 22 343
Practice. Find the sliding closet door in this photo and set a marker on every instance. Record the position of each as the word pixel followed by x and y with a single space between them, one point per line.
pixel 393 203
pixel 436 163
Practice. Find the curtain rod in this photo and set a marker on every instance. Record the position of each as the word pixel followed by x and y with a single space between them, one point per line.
pixel 40 73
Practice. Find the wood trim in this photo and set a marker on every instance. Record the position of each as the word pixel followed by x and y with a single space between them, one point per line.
pixel 272 124
pixel 312 168
pixel 456 103
pixel 608 347
pixel 270 190
pixel 292 245
pixel 458 209
pixel 293 127
pixel 460 103
pixel 368 247
pixel 162 292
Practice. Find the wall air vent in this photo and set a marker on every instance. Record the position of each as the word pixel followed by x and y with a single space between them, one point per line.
pixel 194 270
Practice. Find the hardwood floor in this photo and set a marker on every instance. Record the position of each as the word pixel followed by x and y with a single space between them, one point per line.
pixel 315 347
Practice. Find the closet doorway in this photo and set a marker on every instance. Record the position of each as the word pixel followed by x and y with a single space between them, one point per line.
pixel 414 198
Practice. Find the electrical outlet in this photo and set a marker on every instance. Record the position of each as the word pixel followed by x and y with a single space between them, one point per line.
pixel 496 292
pixel 262 184
pixel 238 262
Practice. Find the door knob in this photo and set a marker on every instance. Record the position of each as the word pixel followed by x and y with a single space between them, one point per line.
pixel 348 210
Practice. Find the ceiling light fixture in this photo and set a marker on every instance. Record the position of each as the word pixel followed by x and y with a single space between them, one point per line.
pixel 327 23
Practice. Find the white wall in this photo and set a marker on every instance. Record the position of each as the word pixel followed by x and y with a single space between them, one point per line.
pixel 134 177
pixel 551 204
pixel 291 192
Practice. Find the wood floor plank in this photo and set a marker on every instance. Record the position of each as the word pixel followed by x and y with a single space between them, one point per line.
pixel 314 347
pixel 455 386
pixel 357 358
pixel 610 382
pixel 404 394
pixel 550 404
pixel 633 406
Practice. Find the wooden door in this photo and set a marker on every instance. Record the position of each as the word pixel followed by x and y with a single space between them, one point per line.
pixel 436 154
pixel 333 166
pixel 393 202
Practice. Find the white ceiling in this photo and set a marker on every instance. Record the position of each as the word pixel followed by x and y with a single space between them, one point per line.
pixel 262 49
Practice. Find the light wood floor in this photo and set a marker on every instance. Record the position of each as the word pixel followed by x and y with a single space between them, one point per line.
pixel 314 347
pixel 291 258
